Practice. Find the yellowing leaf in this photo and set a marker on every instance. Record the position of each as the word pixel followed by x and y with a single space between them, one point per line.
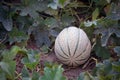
pixel 95 14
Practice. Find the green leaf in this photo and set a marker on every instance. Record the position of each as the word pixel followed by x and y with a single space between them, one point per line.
pixel 33 55
pixel 31 60
pixel 90 23
pixel 54 73
pixel 108 1
pixel 17 35
pixel 107 66
pixel 4 66
pixel 95 14
pixel 12 67
pixel 8 24
pixel 42 38
pixel 6 19
pixel 116 66
pixel 82 76
pixel 104 70
pixel 25 60
pixel 114 12
pixel 24 23
pixel 9 55
pixel 15 49
pixel 9 69
pixel 52 12
pixel 26 78
pixel 31 66
pixel 32 7
pixel 3 32
pixel 44 49
pixel 51 22
pixel 85 76
pixel 117 50
pixel 101 51
pixel 35 75
pixel 106 33
pixel 25 72
pixel 2 76
pixel 67 20
pixel 62 3
pixel 52 5
pixel 100 3
pixel 53 32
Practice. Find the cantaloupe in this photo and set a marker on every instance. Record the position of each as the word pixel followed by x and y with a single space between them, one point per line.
pixel 72 46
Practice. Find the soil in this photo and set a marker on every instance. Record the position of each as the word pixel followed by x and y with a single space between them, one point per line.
pixel 70 72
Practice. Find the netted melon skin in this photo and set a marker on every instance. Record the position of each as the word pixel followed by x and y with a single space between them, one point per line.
pixel 72 46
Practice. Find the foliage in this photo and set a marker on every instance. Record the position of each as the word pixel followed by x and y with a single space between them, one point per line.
pixel 108 70
pixel 30 62
pixel 7 64
pixel 106 32
pixel 53 73
pixel 22 21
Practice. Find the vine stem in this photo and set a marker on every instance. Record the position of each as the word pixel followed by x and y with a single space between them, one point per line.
pixel 87 63
pixel 18 75
pixel 3 39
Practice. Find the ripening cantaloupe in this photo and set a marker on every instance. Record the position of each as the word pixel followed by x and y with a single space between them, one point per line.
pixel 72 46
